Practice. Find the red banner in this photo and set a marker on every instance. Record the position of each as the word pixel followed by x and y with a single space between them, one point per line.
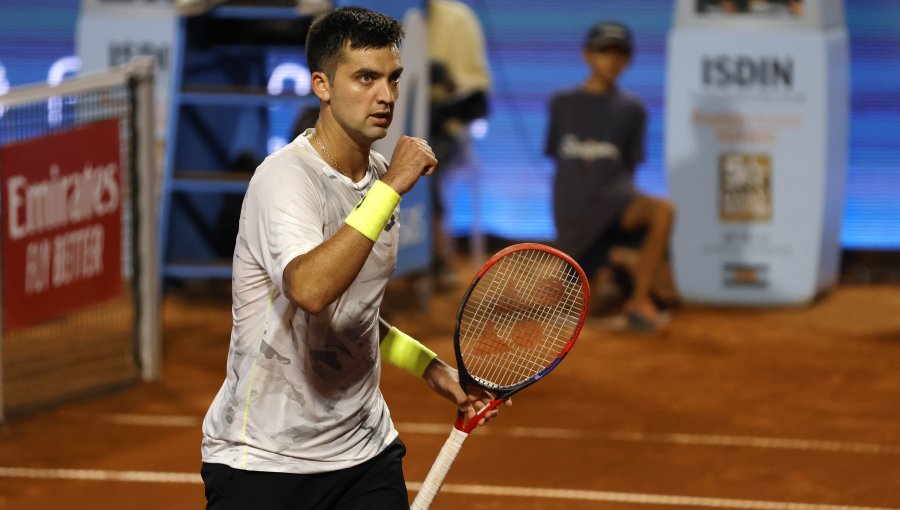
pixel 62 222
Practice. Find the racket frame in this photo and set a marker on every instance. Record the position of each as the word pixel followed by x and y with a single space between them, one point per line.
pixel 461 429
pixel 503 394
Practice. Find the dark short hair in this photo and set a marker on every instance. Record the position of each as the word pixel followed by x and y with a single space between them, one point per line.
pixel 359 27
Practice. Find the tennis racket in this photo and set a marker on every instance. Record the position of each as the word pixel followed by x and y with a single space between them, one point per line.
pixel 518 319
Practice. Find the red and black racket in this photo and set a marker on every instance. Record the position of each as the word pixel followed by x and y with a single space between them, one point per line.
pixel 519 318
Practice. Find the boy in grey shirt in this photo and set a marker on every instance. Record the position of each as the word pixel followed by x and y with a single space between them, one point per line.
pixel 596 135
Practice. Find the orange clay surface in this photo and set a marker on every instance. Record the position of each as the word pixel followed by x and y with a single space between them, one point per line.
pixel 726 408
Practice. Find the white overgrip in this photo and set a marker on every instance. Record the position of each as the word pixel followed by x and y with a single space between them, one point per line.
pixel 439 470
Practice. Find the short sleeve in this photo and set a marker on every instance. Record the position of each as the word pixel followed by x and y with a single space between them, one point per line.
pixel 634 153
pixel 284 215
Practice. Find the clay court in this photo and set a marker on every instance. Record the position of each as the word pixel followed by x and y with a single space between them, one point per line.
pixel 790 409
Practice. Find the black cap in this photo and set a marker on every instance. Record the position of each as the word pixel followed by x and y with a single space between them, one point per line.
pixel 609 34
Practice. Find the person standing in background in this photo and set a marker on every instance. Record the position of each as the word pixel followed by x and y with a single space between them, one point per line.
pixel 460 84
pixel 596 137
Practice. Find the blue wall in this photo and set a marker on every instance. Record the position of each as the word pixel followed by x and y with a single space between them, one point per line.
pixel 33 35
pixel 534 50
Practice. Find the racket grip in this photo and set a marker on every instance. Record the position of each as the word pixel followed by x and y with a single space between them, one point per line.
pixel 439 470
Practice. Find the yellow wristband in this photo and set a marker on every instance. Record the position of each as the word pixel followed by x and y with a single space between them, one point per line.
pixel 405 352
pixel 372 213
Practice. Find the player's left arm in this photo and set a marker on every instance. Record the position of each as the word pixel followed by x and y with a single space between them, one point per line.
pixel 440 377
pixel 444 380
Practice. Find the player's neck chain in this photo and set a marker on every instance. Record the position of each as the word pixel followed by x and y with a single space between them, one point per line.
pixel 335 163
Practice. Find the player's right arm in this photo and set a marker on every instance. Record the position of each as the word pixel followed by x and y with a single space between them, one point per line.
pixel 316 279
pixel 412 159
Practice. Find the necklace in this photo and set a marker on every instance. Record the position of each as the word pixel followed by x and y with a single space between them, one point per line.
pixel 331 159
pixel 335 163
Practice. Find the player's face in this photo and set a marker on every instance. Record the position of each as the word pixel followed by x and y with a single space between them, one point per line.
pixel 607 64
pixel 364 91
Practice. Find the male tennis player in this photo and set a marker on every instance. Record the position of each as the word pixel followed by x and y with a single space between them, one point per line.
pixel 300 422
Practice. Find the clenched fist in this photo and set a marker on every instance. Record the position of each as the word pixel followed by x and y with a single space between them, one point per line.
pixel 412 159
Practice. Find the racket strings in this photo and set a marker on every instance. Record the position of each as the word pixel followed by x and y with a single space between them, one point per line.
pixel 526 350
pixel 520 317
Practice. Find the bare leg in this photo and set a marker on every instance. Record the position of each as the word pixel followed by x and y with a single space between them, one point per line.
pixel 605 295
pixel 656 216
pixel 444 252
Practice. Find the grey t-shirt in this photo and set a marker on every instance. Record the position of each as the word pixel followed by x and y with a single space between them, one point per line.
pixel 597 141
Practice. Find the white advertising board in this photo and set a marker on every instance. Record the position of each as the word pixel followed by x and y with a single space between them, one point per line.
pixel 112 32
pixel 756 144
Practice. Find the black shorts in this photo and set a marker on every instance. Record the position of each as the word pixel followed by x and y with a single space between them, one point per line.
pixel 377 484
pixel 597 253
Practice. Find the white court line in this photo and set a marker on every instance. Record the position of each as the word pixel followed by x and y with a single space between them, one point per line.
pixel 100 475
pixel 671 438
pixel 471 490
pixel 573 434
pixel 755 442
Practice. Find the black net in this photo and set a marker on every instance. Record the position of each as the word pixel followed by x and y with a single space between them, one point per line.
pixel 86 348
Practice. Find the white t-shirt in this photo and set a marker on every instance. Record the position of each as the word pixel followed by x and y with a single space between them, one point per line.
pixel 301 393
